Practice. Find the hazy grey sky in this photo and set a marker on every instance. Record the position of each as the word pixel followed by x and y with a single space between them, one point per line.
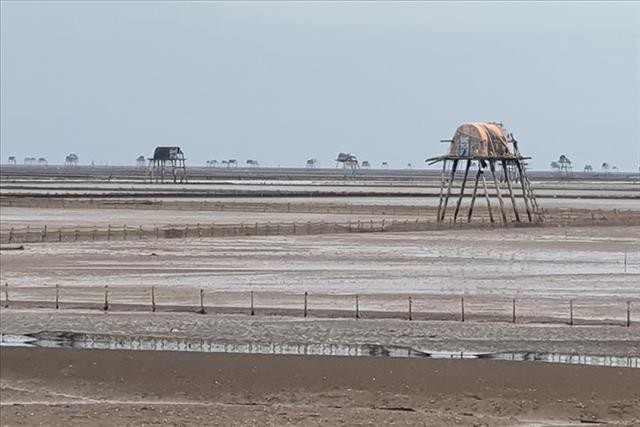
pixel 282 82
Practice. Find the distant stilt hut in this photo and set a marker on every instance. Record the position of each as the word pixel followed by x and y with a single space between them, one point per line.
pixel 565 165
pixel 167 160
pixel 347 160
pixel 140 161
pixel 71 159
pixel 487 147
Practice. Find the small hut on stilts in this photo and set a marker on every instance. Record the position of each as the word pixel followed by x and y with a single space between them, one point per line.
pixel 488 147
pixel 167 159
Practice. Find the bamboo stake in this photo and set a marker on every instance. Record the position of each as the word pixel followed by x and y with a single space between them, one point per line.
pixel 442 183
pixel 464 183
pixel 628 313
pixel 486 196
pixel 475 191
pixel 305 304
pixel 106 299
pixel 513 199
pixel 571 312
pixel 492 167
pixel 446 199
pixel 525 196
pixel 201 311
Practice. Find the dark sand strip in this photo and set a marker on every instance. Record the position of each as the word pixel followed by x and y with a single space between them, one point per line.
pixel 307 390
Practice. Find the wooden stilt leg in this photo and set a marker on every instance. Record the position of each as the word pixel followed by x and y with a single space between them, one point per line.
pixel 486 196
pixel 446 199
pixel 525 196
pixel 475 191
pixel 513 199
pixel 464 183
pixel 492 166
pixel 442 182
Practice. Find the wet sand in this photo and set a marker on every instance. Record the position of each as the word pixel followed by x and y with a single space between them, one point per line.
pixel 511 263
pixel 543 268
pixel 80 387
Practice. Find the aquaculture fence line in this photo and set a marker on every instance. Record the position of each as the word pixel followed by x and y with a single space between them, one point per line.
pixel 110 232
pixel 424 307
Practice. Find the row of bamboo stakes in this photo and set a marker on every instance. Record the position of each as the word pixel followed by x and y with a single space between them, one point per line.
pixel 531 205
pixel 357 314
pixel 125 232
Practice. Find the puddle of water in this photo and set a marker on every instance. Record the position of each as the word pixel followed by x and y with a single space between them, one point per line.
pixel 110 342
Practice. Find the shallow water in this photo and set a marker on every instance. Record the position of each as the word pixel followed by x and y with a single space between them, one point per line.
pixel 63 339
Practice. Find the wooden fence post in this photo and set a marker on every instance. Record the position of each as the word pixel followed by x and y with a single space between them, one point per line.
pixel 57 297
pixel 153 299
pixel 201 311
pixel 462 308
pixel 357 308
pixel 251 297
pixel 410 311
pixel 628 313
pixel 513 314
pixel 6 295
pixel 305 303
pixel 571 312
pixel 106 298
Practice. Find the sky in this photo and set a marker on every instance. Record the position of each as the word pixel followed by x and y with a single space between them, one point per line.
pixel 281 82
